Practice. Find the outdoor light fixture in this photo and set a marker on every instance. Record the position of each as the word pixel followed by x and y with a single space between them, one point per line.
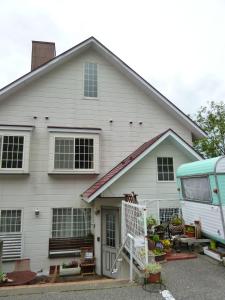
pixel 37 212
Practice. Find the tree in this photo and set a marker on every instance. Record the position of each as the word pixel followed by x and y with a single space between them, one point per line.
pixel 211 119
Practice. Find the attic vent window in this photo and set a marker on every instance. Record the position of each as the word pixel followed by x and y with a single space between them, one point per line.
pixel 91 80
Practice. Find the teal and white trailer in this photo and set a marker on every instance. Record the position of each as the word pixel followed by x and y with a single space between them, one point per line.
pixel 201 185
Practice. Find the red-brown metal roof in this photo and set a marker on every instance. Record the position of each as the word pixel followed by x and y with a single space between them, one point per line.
pixel 117 169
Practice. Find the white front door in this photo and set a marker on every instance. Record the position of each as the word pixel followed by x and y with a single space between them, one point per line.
pixel 110 239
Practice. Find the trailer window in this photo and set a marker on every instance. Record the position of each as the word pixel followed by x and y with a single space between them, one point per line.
pixel 196 189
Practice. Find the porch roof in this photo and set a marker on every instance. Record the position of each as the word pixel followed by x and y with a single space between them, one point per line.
pixel 104 182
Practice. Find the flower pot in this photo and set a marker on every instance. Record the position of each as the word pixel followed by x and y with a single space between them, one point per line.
pixel 190 234
pixel 176 229
pixel 151 244
pixel 69 271
pixel 154 278
pixel 160 257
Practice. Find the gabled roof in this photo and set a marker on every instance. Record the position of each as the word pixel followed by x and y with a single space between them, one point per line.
pixel 104 182
pixel 119 64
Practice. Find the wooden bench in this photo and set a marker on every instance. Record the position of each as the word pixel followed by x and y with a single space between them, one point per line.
pixel 68 247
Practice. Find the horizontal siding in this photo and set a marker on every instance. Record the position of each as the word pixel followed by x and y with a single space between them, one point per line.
pixel 208 215
pixel 58 95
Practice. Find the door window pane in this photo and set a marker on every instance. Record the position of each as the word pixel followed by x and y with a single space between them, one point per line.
pixel 110 230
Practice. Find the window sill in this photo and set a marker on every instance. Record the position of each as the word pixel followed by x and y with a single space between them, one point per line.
pixel 90 98
pixel 14 172
pixel 73 173
pixel 166 181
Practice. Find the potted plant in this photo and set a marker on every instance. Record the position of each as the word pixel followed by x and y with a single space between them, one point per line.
pixel 190 231
pixel 159 252
pixel 3 277
pixel 71 268
pixel 167 246
pixel 160 230
pixel 153 271
pixel 176 225
pixel 152 240
pixel 151 222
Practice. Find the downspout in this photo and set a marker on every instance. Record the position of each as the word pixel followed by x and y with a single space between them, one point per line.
pixel 219 198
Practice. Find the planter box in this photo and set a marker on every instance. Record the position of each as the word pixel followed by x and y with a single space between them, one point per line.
pixel 69 271
pixel 160 257
pixel 212 254
pixel 190 234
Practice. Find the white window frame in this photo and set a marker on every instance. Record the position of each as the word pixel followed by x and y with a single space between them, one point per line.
pixel 26 133
pixel 72 223
pixel 88 97
pixel 52 138
pixel 165 181
pixel 21 223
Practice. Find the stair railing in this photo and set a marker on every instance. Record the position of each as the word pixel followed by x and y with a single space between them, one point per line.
pixel 113 269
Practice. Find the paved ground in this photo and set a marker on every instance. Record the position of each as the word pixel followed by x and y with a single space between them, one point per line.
pixel 196 279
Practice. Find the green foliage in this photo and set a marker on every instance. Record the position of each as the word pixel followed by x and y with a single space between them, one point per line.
pixel 211 119
pixel 176 221
pixel 151 221
pixel 3 277
pixel 158 251
pixel 155 238
pixel 153 268
pixel 190 229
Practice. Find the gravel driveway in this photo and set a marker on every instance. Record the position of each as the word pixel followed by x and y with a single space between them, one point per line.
pixel 194 279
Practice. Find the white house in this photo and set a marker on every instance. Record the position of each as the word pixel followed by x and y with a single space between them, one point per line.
pixel 77 133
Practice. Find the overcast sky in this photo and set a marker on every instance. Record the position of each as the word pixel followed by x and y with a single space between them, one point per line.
pixel 177 45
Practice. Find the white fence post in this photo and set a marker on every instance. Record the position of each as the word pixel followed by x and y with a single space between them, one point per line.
pixel 145 233
pixel 131 259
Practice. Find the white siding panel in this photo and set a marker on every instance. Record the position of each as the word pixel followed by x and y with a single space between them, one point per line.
pixel 208 215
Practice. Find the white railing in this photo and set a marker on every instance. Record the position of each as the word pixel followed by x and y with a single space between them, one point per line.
pixel 134 225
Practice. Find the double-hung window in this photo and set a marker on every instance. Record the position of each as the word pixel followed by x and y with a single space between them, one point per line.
pixel 14 151
pixel 91 80
pixel 71 222
pixel 11 151
pixel 74 153
pixel 11 233
pixel 165 169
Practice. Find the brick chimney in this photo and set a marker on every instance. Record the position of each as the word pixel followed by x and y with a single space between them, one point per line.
pixel 42 52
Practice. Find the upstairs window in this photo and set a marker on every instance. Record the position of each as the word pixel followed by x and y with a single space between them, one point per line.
pixel 14 149
pixel 74 153
pixel 11 151
pixel 165 169
pixel 91 80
